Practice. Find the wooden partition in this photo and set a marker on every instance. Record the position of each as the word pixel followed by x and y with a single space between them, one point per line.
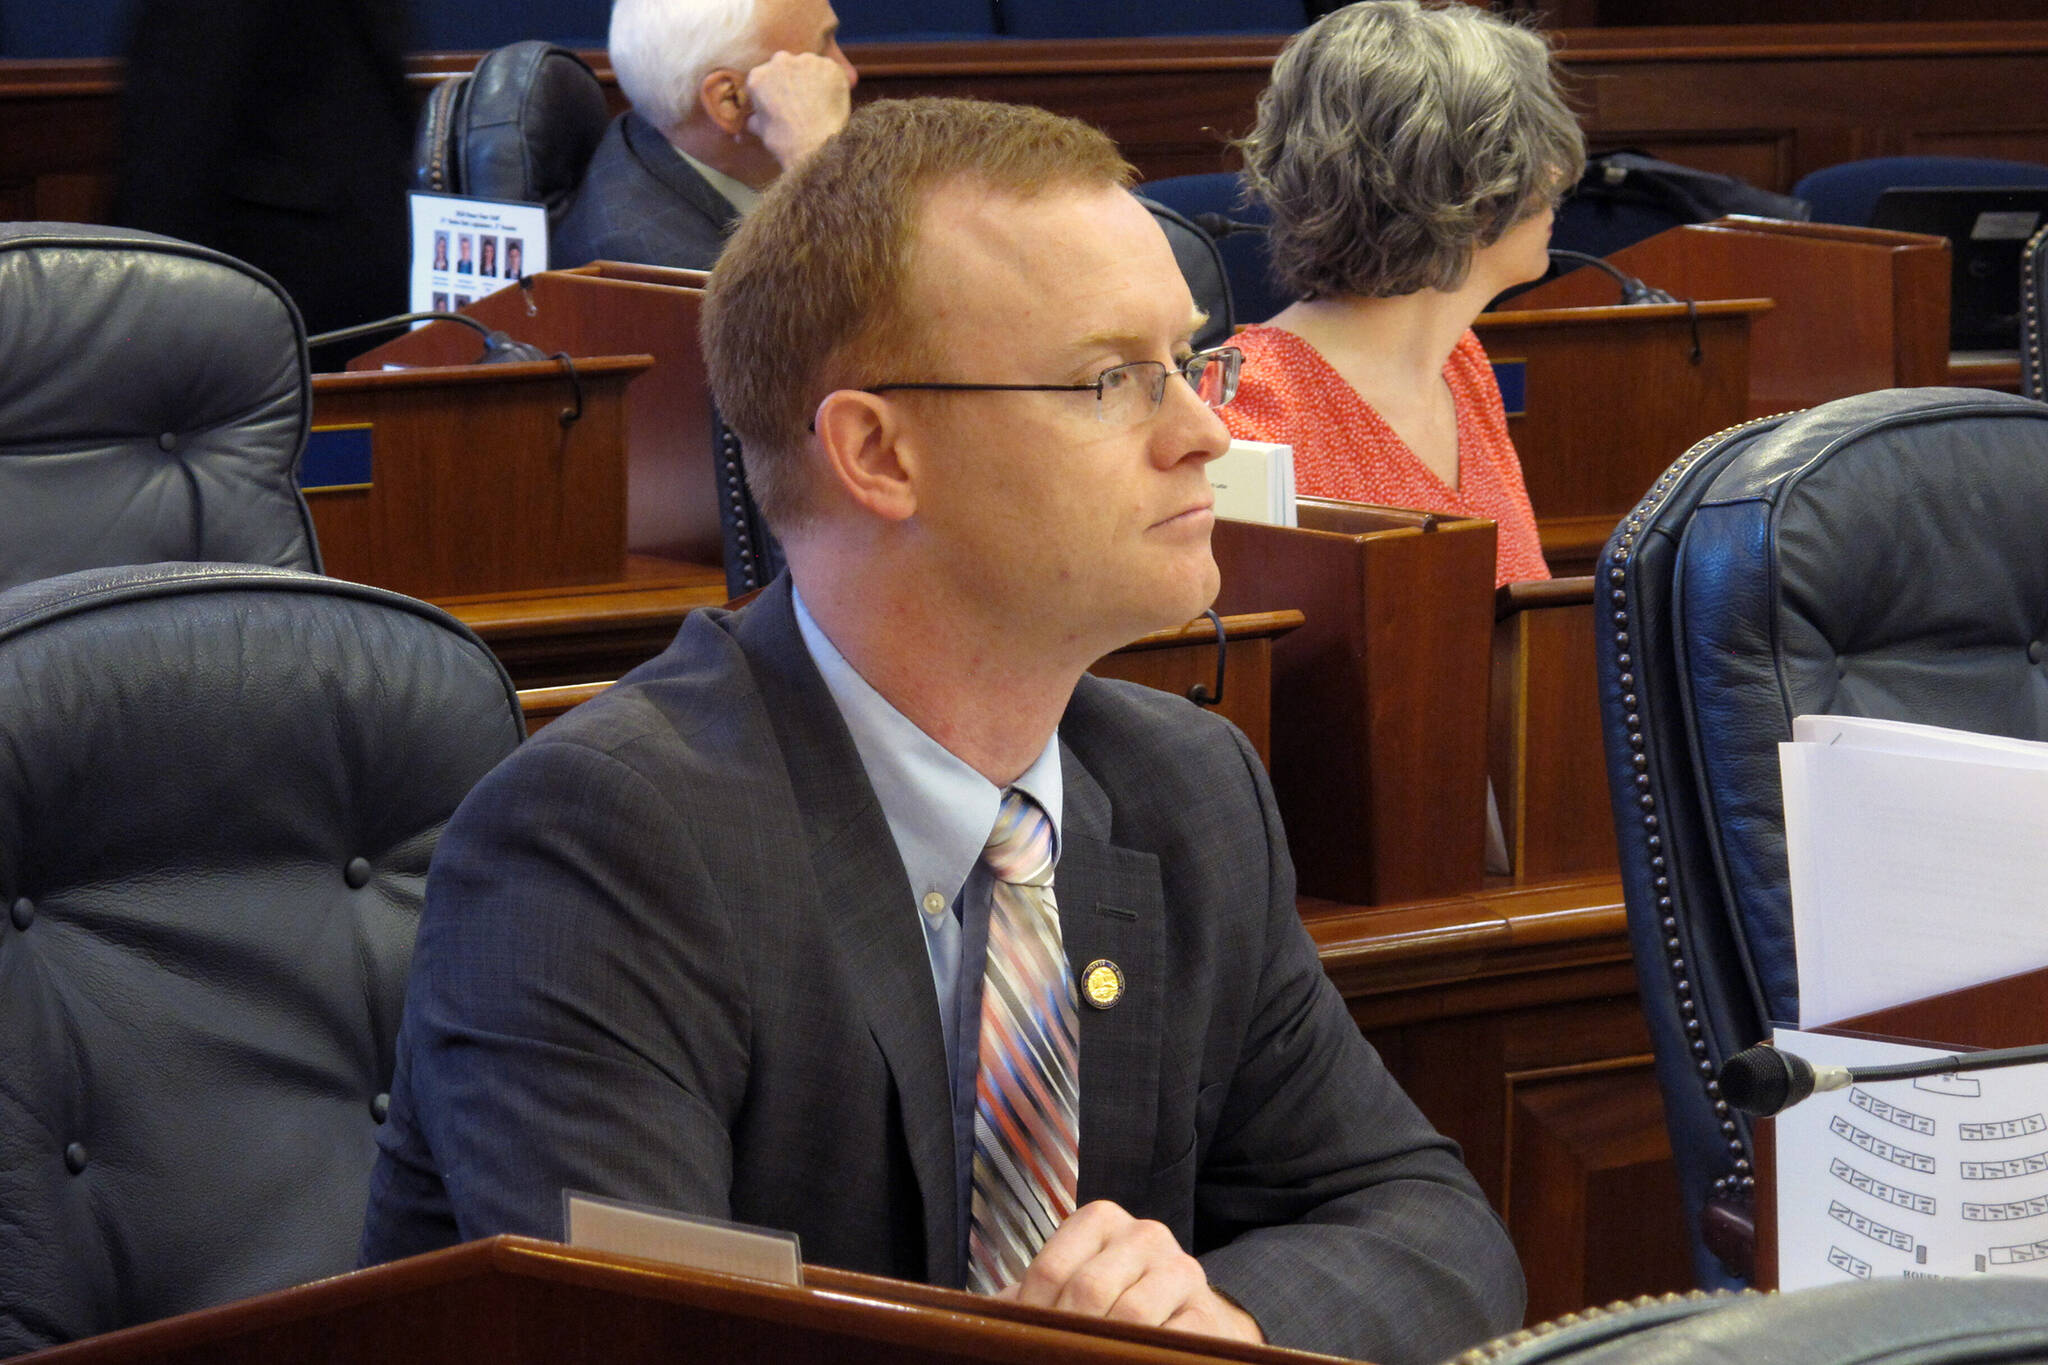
pixel 615 309
pixel 1379 702
pixel 1611 396
pixel 1768 103
pixel 517 1301
pixel 1544 750
pixel 477 477
pixel 1856 309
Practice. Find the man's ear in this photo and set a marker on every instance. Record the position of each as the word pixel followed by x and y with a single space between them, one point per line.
pixel 723 96
pixel 864 444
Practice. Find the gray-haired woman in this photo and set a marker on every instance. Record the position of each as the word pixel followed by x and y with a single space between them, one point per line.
pixel 1411 155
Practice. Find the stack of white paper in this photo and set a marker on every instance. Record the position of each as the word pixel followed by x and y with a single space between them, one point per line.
pixel 1254 481
pixel 1918 859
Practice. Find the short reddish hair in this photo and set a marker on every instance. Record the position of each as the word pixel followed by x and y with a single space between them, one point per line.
pixel 808 296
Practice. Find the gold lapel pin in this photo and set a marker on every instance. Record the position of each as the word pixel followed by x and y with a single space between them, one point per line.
pixel 1102 985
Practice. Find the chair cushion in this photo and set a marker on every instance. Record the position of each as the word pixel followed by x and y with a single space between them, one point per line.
pixel 154 400
pixel 219 789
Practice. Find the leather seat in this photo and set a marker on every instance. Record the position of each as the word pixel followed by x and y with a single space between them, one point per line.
pixel 154 402
pixel 219 789
pixel 1879 556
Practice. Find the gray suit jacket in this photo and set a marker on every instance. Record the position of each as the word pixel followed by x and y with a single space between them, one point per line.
pixel 639 201
pixel 670 954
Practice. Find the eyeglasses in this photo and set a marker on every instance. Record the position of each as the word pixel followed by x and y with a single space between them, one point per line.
pixel 1124 394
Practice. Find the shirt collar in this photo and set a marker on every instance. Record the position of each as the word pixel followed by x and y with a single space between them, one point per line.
pixel 738 193
pixel 939 810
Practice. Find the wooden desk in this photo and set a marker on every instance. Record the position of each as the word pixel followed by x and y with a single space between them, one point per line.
pixel 1544 748
pixel 479 484
pixel 1856 309
pixel 517 1301
pixel 1613 396
pixel 1510 1016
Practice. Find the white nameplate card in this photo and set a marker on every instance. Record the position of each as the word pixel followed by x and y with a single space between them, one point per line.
pixel 1254 481
pixel 681 1239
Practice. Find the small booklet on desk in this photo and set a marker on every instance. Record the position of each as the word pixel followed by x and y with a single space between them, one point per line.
pixel 1254 481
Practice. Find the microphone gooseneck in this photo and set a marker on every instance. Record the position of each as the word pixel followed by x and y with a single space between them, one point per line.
pixel 1762 1081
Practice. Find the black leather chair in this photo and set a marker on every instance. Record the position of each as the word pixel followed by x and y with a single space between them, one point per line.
pixel 219 788
pixel 2033 313
pixel 1246 264
pixel 154 402
pixel 1880 555
pixel 522 126
pixel 1986 1321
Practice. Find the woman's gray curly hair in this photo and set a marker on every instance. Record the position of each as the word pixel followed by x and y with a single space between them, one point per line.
pixel 1398 138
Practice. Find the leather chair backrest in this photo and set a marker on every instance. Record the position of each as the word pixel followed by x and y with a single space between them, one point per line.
pixel 2034 317
pixel 1987 1321
pixel 1847 193
pixel 1878 556
pixel 219 789
pixel 1254 295
pixel 154 401
pixel 522 126
pixel 1201 265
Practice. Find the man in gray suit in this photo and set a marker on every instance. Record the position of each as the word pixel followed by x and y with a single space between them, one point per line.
pixel 726 95
pixel 724 939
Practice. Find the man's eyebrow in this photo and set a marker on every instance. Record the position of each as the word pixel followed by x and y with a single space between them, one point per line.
pixel 1130 341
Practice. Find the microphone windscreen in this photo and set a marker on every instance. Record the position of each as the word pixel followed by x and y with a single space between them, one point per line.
pixel 1762 1081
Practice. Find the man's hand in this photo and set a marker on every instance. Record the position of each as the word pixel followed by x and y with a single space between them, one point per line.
pixel 1107 1264
pixel 795 101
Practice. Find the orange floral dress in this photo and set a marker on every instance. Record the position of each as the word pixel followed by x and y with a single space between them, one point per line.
pixel 1344 449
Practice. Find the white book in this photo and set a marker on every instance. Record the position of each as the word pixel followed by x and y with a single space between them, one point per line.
pixel 1916 858
pixel 1254 481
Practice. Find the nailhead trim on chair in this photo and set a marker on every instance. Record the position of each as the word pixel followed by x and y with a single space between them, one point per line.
pixel 736 495
pixel 2033 382
pixel 1741 1176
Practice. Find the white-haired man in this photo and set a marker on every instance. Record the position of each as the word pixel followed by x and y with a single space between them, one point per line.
pixel 726 95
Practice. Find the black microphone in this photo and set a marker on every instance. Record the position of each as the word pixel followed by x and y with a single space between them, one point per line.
pixel 1221 225
pixel 1762 1081
pixel 1633 290
pixel 498 347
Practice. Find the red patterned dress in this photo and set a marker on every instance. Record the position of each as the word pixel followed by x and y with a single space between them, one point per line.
pixel 1343 449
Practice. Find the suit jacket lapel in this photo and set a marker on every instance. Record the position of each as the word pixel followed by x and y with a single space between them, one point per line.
pixel 1112 908
pixel 866 898
pixel 664 163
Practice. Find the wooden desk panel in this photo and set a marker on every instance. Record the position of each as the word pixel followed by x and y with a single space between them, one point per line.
pixel 1769 102
pixel 1545 754
pixel 1614 395
pixel 1511 1018
pixel 478 483
pixel 1856 309
pixel 517 1301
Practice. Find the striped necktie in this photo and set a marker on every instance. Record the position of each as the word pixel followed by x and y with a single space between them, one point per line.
pixel 1026 1116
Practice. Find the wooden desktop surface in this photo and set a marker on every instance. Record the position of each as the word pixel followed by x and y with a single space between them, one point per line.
pixel 518 1301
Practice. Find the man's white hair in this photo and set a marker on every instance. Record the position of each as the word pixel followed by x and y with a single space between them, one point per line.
pixel 662 50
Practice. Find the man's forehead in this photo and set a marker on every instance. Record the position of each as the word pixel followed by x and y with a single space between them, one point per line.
pixel 1065 246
